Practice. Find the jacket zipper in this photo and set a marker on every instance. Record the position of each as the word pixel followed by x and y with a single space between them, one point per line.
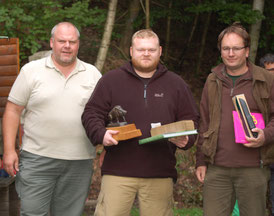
pixel 145 94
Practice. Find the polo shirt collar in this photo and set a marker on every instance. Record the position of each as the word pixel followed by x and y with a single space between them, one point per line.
pixel 80 67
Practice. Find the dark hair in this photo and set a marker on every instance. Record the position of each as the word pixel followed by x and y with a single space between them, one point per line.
pixel 268 59
pixel 238 29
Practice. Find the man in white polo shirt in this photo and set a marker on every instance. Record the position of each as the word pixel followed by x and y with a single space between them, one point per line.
pixel 55 168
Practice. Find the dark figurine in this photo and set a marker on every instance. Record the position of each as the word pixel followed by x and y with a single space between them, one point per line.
pixel 116 116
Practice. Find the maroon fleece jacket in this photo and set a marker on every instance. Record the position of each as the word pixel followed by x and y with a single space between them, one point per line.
pixel 165 98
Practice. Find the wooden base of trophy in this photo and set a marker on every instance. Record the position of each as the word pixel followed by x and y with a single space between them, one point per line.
pixel 126 132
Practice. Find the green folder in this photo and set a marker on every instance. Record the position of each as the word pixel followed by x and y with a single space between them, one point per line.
pixel 166 136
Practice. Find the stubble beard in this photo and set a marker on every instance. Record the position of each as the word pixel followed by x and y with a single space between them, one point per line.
pixel 145 68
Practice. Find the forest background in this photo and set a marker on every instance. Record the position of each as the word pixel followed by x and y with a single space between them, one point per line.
pixel 188 31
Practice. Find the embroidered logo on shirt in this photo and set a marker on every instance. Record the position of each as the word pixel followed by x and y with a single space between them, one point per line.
pixel 159 95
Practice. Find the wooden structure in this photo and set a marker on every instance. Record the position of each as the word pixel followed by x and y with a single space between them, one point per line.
pixel 9 201
pixel 9 68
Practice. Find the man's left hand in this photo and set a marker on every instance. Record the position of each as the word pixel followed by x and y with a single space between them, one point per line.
pixel 255 142
pixel 180 141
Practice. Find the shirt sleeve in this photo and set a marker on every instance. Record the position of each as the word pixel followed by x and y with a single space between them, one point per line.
pixel 187 110
pixel 203 127
pixel 20 91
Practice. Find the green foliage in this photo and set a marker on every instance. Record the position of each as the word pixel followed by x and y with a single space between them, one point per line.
pixel 32 20
pixel 228 11
pixel 266 43
pixel 187 187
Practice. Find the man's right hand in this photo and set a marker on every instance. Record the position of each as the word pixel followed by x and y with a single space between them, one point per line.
pixel 10 161
pixel 108 139
pixel 200 173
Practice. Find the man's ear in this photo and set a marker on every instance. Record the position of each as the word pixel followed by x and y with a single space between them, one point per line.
pixel 130 51
pixel 160 50
pixel 51 42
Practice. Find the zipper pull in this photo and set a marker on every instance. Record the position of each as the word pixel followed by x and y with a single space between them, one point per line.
pixel 231 91
pixel 145 91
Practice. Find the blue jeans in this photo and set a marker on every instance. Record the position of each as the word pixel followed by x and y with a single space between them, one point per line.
pixel 51 185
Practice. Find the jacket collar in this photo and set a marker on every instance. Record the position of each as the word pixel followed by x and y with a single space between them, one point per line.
pixel 254 71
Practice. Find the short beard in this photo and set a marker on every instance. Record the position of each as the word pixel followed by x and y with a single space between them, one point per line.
pixel 143 69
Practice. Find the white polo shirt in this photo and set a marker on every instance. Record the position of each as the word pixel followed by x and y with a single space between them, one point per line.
pixel 53 108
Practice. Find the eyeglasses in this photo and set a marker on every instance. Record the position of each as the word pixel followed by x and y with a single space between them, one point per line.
pixel 234 49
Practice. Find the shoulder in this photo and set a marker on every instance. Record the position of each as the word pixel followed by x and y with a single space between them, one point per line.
pixel 117 73
pixel 261 74
pixel 173 77
pixel 89 67
pixel 35 64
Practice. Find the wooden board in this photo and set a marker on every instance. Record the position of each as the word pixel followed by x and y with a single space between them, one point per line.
pixel 126 132
pixel 184 125
pixel 9 68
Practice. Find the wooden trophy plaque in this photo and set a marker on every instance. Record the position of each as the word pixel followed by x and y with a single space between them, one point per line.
pixel 118 122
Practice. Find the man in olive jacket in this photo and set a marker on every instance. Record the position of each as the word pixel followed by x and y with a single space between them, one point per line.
pixel 231 170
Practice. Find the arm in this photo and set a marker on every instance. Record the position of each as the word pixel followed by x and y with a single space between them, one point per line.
pixel 203 127
pixel 94 117
pixel 11 119
pixel 265 136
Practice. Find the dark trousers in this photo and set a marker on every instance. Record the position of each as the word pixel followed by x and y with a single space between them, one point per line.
pixel 224 185
pixel 271 183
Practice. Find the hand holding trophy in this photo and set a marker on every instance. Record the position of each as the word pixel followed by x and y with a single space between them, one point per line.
pixel 117 121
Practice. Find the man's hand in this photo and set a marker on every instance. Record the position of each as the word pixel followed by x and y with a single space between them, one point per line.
pixel 255 142
pixel 108 139
pixel 200 173
pixel 10 161
pixel 180 141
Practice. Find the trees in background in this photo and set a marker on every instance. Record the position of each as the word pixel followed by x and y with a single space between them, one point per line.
pixel 188 30
pixel 107 35
pixel 255 30
pixel 32 20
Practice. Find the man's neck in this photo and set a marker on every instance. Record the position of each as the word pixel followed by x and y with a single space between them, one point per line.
pixel 238 71
pixel 65 69
pixel 145 74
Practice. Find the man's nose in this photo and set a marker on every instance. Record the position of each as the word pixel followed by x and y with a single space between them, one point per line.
pixel 146 52
pixel 230 52
pixel 67 44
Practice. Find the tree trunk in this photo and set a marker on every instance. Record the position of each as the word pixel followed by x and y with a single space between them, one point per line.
pixel 203 44
pixel 185 49
pixel 168 32
pixel 125 42
pixel 107 35
pixel 147 14
pixel 255 30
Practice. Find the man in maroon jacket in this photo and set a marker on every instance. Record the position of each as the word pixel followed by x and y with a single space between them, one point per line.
pixel 231 170
pixel 150 94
